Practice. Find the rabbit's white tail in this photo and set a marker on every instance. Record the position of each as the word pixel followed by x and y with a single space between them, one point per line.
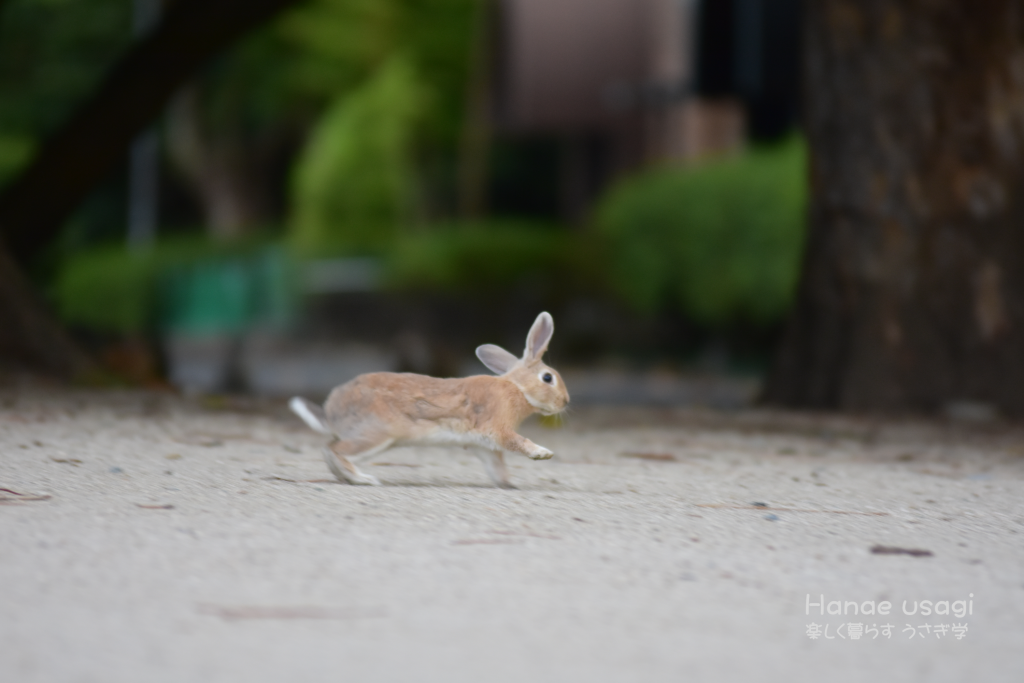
pixel 310 413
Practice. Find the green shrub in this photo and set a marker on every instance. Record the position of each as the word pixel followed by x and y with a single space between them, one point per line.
pixel 184 285
pixel 198 287
pixel 353 183
pixel 107 289
pixel 15 152
pixel 477 257
pixel 722 242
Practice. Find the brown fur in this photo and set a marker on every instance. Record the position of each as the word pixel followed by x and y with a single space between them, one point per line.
pixel 380 410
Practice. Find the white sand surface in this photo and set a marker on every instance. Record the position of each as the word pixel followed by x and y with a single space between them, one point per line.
pixel 190 540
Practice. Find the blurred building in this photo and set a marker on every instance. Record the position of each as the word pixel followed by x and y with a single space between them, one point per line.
pixel 625 83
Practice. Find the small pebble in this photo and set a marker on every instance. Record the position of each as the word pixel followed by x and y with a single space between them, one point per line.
pixel 771 518
pixel 116 470
pixel 760 505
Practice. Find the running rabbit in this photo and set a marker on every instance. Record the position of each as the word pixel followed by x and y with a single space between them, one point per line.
pixel 382 410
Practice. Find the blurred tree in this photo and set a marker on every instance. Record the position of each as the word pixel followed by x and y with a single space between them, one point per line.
pixel 233 124
pixel 912 295
pixel 353 182
pixel 227 119
pixel 226 167
pixel 395 110
pixel 230 128
pixel 34 205
pixel 51 53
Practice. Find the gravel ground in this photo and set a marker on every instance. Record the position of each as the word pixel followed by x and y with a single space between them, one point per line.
pixel 202 540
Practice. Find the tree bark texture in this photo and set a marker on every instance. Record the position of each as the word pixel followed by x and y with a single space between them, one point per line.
pixel 96 137
pixel 912 295
pixel 29 335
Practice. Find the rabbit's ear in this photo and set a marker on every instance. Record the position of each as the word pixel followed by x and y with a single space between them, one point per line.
pixel 540 335
pixel 497 359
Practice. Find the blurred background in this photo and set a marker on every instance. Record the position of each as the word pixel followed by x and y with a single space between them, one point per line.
pixel 361 185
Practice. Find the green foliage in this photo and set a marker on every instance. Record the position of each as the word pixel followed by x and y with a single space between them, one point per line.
pixel 354 179
pixel 194 286
pixel 722 241
pixel 396 70
pixel 52 52
pixel 15 151
pixel 291 71
pixel 336 45
pixel 261 93
pixel 378 84
pixel 480 257
pixel 188 285
pixel 107 289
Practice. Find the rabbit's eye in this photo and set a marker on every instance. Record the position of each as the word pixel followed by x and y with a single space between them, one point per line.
pixel 547 377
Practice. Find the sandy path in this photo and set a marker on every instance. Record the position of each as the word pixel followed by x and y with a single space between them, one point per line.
pixel 183 542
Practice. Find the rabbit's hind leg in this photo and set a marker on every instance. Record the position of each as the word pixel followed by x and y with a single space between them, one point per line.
pixel 494 463
pixel 340 454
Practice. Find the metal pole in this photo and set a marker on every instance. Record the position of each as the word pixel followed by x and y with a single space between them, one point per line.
pixel 144 158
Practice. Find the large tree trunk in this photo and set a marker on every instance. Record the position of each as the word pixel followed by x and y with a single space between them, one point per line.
pixel 913 287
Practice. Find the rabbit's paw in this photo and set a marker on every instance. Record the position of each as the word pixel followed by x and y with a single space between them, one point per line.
pixel 541 453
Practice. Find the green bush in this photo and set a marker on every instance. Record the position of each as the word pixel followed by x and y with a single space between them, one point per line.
pixel 353 183
pixel 721 242
pixel 107 289
pixel 184 285
pixel 198 287
pixel 477 257
pixel 15 152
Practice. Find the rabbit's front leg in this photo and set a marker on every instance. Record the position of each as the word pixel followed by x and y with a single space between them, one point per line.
pixel 494 463
pixel 519 444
